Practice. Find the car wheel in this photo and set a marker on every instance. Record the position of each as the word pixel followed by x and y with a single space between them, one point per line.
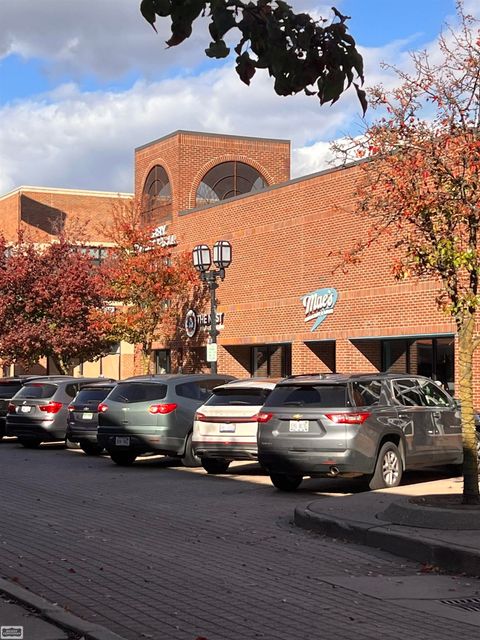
pixel 285 482
pixel 91 448
pixel 215 465
pixel 29 443
pixel 189 459
pixel 388 468
pixel 123 458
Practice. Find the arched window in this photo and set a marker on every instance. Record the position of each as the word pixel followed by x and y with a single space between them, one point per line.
pixel 227 180
pixel 157 196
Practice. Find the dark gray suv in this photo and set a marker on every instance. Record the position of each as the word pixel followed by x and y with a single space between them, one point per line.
pixel 154 414
pixel 374 425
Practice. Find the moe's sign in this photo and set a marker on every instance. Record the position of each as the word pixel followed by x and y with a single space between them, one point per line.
pixel 318 305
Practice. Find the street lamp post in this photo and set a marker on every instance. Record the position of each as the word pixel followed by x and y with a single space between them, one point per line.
pixel 202 261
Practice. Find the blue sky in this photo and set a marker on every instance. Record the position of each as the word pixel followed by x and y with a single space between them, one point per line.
pixel 83 84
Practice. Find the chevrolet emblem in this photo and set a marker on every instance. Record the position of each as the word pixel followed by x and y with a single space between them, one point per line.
pixel 297 416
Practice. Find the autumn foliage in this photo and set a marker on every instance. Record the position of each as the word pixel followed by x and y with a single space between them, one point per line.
pixel 51 305
pixel 147 282
pixel 420 189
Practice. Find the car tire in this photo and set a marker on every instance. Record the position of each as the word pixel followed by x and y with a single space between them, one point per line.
pixel 286 482
pixel 91 448
pixel 388 468
pixel 189 459
pixel 29 443
pixel 123 458
pixel 215 465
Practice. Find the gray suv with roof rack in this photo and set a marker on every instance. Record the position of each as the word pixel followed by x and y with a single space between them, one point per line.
pixel 372 425
pixel 38 411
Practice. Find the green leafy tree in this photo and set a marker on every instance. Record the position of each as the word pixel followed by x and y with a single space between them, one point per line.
pixel 300 53
pixel 420 189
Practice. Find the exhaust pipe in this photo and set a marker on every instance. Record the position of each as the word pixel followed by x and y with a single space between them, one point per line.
pixel 333 471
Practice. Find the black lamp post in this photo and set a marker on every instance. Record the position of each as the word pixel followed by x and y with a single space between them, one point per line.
pixel 202 261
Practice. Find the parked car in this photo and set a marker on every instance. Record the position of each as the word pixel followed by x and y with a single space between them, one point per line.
pixel 82 421
pixel 8 388
pixel 225 427
pixel 351 425
pixel 38 411
pixel 154 414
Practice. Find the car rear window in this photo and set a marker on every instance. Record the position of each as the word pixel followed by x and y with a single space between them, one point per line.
pixel 93 394
pixel 324 395
pixel 37 390
pixel 138 392
pixel 9 389
pixel 248 397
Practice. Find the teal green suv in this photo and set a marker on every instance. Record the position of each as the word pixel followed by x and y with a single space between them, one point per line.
pixel 154 414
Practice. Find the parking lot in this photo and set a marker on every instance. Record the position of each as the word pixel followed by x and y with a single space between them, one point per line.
pixel 160 551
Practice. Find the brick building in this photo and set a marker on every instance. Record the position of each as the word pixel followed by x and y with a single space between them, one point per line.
pixel 286 306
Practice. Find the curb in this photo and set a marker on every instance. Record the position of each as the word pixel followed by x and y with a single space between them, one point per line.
pixel 406 544
pixel 54 613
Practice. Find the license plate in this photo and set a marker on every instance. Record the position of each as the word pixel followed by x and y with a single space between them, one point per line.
pixel 25 409
pixel 227 428
pixel 87 416
pixel 299 426
pixel 122 441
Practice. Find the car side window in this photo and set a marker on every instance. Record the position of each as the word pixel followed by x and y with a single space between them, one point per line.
pixel 366 393
pixel 408 393
pixel 71 390
pixel 190 390
pixel 435 397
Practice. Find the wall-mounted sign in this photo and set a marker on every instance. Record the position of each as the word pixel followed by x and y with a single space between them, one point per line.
pixel 163 238
pixel 318 305
pixel 195 321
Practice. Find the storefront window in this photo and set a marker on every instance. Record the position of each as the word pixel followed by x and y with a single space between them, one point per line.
pixel 162 361
pixel 271 360
pixel 430 357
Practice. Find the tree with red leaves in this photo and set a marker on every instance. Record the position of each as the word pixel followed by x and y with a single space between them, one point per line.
pixel 146 280
pixel 51 305
pixel 420 189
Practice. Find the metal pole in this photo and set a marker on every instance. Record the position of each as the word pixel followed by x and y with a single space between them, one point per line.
pixel 213 315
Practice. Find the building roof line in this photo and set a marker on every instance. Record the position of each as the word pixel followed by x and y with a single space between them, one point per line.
pixel 210 135
pixel 79 192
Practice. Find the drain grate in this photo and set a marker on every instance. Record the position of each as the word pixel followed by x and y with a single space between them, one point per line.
pixel 466 604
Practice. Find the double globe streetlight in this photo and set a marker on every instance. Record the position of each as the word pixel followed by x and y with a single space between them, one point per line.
pixel 202 261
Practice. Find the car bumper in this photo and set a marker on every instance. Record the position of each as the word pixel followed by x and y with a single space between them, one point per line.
pixel 316 464
pixel 76 434
pixel 141 443
pixel 44 429
pixel 226 452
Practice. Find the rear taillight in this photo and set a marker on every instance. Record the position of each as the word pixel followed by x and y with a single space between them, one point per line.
pixel 201 417
pixel 162 408
pixel 71 407
pixel 263 417
pixel 51 407
pixel 102 407
pixel 348 418
pixel 11 408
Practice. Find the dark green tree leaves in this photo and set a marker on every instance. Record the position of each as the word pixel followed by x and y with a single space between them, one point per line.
pixel 301 54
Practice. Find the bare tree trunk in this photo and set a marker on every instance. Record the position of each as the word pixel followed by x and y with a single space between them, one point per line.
pixel 62 368
pixel 471 493
pixel 147 363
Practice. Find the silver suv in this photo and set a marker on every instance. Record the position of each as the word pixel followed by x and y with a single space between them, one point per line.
pixel 373 425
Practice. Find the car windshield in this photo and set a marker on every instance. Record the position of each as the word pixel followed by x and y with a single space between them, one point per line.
pixel 295 395
pixel 138 392
pixel 37 390
pixel 247 396
pixel 93 394
pixel 9 389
